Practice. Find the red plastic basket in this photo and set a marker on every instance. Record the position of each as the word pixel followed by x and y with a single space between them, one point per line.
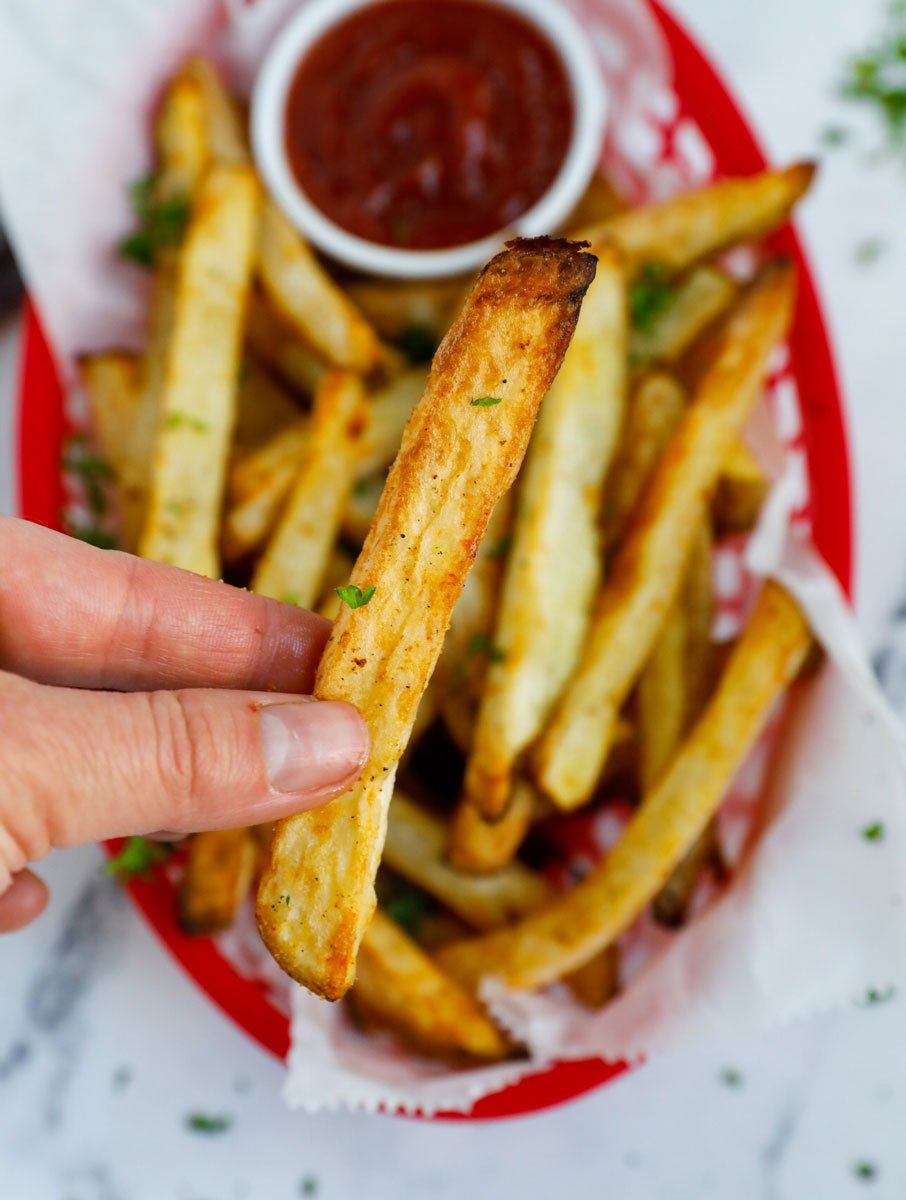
pixel 42 427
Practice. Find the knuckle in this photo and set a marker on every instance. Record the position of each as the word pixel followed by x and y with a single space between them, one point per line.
pixel 175 746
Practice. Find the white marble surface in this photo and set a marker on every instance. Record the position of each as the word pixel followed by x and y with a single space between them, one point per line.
pixel 105 1048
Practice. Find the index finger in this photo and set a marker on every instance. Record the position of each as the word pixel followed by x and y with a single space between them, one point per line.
pixel 75 616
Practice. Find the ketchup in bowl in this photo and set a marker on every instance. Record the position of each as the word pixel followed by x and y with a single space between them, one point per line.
pixel 428 125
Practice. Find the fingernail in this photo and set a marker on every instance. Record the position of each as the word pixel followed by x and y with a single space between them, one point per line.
pixel 312 747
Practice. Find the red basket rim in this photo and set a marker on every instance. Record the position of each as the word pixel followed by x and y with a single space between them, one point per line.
pixel 42 427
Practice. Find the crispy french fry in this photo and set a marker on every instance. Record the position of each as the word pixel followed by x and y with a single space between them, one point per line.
pixel 598 981
pixel 570 930
pixel 224 128
pixel 396 310
pixel 416 849
pixel 250 519
pixel 180 141
pixel 308 300
pixel 111 383
pixel 481 846
pixel 399 986
pixel 599 203
pixel 650 564
pixel 652 417
pixel 661 699
pixel 553 568
pixel 275 345
pixel 677 233
pixel 293 565
pixel 198 398
pixel 264 409
pixel 698 302
pixel 671 905
pixel 461 450
pixel 741 491
pixel 217 878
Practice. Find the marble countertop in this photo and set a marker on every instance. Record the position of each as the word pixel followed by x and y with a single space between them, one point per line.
pixel 106 1050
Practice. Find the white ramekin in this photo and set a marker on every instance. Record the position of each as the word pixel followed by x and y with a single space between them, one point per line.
pixel 268 127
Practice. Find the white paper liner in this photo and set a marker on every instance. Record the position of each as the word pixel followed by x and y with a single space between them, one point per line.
pixel 814 916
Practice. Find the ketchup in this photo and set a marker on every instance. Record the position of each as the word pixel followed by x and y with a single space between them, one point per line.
pixel 428 123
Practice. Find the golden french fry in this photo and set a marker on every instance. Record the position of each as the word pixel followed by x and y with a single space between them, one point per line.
pixel 697 303
pixel 276 459
pixel 671 904
pixel 389 409
pixel 741 491
pixel 481 846
pixel 264 410
pixel 650 564
pixel 395 310
pixel 275 345
pixel 293 564
pixel 652 417
pixel 571 929
pixel 599 203
pixel 217 878
pixel 678 232
pixel 416 849
pixel 461 451
pixel 598 981
pixel 180 140
pixel 224 128
pixel 661 699
pixel 111 383
pixel 250 519
pixel 198 397
pixel 399 986
pixel 308 300
pixel 698 611
pixel 553 568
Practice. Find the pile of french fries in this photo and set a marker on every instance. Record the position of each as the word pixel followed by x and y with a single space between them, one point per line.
pixel 522 608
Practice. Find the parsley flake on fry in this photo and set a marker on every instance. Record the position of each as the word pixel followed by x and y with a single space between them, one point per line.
pixel 650 294
pixel 485 401
pixel 136 858
pixel 354 596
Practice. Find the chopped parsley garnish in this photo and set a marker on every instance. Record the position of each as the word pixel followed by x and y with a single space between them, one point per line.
pixel 182 420
pixel 876 996
pixel 203 1123
pixel 650 294
pixel 418 343
pixel 364 487
pixel 835 135
pixel 731 1077
pixel 407 907
pixel 870 251
pixel 874 832
pixel 92 470
pixel 481 644
pixel 867 1172
pixel 878 78
pixel 485 401
pixel 102 538
pixel 308 1186
pixel 160 223
pixel 354 596
pixel 291 598
pixel 137 857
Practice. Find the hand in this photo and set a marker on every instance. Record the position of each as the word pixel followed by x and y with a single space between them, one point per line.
pixel 198 721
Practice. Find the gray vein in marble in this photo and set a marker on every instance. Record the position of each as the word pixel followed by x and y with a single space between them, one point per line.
pixel 777 1147
pixel 93 1181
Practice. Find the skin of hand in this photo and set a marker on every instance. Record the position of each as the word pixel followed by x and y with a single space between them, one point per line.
pixel 136 697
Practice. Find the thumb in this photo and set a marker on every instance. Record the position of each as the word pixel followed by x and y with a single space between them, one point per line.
pixel 82 766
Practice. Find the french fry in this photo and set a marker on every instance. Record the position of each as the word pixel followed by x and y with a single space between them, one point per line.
pixel 461 450
pixel 250 519
pixel 741 491
pixel 652 417
pixel 599 203
pixel 679 232
pixel 111 383
pixel 698 302
pixel 224 129
pixel 572 929
pixel 553 568
pixel 180 141
pixel 661 698
pixel 400 987
pixel 650 564
pixel 389 409
pixel 275 345
pixel 308 300
pixel 598 981
pixel 396 310
pixel 416 849
pixel 671 905
pixel 293 564
pixel 361 508
pixel 274 462
pixel 264 409
pixel 480 846
pixel 198 397
pixel 217 878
